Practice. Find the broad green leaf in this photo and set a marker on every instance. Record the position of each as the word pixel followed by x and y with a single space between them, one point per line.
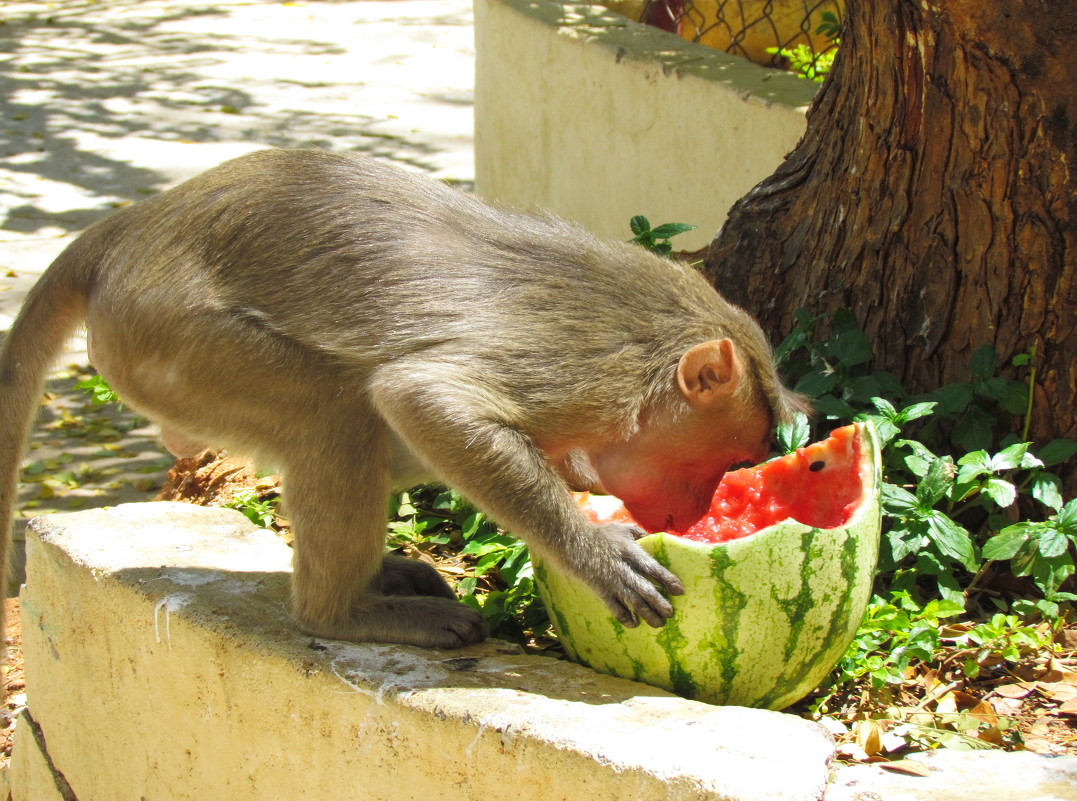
pixel 469 526
pixel 792 343
pixel 973 465
pixel 917 410
pixel 883 427
pixel 952 540
pixel 889 386
pixel 898 500
pixel 984 363
pixel 1011 395
pixel 862 389
pixel 794 434
pixel 1053 542
pixel 917 465
pixel 805 319
pixel 1067 519
pixel 852 348
pixel 949 588
pixel 1010 540
pixel 829 406
pixel 902 543
pixel 973 429
pixel 666 230
pixel 1009 458
pixel 466 589
pixel 1030 461
pixel 1000 491
pixel 1047 489
pixel 953 398
pixel 918 448
pixel 934 486
pixel 1048 573
pixel 884 407
pixel 639 224
pixel 844 321
pixel 1056 451
pixel 939 608
pixel 815 384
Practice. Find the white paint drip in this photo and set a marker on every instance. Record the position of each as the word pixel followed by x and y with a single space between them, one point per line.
pixel 170 603
pixel 378 697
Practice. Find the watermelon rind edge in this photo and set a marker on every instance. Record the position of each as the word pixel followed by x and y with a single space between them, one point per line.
pixel 763 618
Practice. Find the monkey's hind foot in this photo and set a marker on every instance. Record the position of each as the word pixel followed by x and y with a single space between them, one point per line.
pixel 407 620
pixel 402 576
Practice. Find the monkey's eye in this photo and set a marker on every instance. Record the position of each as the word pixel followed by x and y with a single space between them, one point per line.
pixel 815 467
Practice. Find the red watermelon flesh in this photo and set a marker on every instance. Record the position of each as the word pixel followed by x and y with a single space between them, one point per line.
pixel 818 485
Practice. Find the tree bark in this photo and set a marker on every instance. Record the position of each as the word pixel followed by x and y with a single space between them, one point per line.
pixel 931 195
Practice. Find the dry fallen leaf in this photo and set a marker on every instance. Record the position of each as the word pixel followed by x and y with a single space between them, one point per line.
pixel 1059 673
pixel 869 736
pixel 1015 690
pixel 1068 707
pixel 907 766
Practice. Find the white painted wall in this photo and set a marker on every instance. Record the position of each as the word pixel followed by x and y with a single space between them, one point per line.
pixel 592 116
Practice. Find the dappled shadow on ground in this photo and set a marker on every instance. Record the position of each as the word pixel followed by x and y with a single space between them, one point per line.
pixel 85 456
pixel 79 81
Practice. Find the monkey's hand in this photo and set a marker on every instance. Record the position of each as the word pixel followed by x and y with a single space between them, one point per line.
pixel 627 578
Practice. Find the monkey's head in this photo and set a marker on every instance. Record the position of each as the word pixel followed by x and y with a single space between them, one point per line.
pixel 667 471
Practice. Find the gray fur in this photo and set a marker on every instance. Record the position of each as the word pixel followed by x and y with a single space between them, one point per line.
pixel 363 328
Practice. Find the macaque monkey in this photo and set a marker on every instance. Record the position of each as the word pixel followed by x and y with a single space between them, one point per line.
pixel 366 329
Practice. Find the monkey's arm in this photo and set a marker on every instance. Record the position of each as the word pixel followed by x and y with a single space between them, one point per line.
pixel 501 470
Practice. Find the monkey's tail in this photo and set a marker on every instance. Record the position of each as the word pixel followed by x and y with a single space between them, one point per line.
pixel 54 308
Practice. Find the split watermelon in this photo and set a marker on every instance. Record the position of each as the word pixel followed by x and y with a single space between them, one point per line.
pixel 777 576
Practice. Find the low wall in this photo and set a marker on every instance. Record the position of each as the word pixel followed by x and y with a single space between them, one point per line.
pixel 161 664
pixel 597 118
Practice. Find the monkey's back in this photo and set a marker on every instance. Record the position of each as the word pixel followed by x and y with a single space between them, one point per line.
pixel 350 258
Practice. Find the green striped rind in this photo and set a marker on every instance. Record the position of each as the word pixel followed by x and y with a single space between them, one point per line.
pixel 763 619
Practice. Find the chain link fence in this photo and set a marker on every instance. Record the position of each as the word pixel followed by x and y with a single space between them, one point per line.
pixel 801 35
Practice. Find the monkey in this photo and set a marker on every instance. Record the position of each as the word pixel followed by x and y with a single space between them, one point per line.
pixel 365 328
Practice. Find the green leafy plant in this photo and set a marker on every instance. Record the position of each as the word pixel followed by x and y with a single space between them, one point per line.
pixel 98 390
pixel 499 582
pixel 830 26
pixel 656 240
pixel 955 477
pixel 260 511
pixel 894 634
pixel 804 61
pixel 1042 551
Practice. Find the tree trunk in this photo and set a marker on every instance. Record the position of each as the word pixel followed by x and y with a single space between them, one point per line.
pixel 931 195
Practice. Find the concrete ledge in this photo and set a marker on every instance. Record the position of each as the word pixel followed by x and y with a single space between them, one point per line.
pixel 595 117
pixel 161 664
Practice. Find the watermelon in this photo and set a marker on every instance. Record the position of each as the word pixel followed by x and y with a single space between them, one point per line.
pixel 777 576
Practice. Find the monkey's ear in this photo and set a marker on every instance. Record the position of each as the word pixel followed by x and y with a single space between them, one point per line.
pixel 709 372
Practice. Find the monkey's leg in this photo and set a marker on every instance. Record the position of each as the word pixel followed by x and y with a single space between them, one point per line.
pixel 402 576
pixel 500 469
pixel 335 498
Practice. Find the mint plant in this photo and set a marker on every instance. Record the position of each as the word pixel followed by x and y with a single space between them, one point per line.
pixel 656 239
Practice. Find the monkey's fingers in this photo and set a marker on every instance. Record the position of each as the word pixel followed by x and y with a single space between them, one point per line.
pixel 653 607
pixel 624 615
pixel 653 610
pixel 663 577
